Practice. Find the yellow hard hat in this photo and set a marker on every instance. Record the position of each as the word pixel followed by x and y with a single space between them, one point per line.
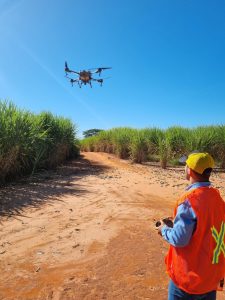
pixel 198 162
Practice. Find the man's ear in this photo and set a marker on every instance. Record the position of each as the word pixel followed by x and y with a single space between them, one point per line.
pixel 187 170
pixel 191 173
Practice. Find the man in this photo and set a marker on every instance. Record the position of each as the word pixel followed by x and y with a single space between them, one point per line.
pixel 196 258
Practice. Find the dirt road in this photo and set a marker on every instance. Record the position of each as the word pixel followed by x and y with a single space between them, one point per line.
pixel 87 231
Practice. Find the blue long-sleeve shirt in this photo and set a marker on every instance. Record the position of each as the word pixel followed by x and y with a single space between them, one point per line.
pixel 184 222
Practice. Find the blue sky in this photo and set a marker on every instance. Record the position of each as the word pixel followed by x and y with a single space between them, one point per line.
pixel 167 59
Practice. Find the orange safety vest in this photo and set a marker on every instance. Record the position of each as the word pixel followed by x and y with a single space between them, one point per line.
pixel 198 267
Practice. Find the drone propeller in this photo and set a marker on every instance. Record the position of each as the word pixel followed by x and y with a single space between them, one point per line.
pixel 67 70
pixel 66 67
pixel 100 80
pixel 99 70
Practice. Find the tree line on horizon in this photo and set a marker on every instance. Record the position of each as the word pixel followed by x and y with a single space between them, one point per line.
pixel 159 145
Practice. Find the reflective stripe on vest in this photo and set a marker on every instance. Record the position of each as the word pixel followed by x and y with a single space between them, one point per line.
pixel 219 238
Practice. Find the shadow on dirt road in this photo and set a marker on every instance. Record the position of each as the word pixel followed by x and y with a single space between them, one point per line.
pixel 47 186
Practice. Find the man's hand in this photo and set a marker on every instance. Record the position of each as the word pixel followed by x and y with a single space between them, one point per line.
pixel 159 229
pixel 166 221
pixel 159 224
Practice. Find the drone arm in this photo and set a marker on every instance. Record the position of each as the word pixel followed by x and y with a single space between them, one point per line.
pixel 72 81
pixel 99 70
pixel 67 70
pixel 71 71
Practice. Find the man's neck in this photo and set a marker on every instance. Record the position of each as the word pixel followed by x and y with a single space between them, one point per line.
pixel 193 180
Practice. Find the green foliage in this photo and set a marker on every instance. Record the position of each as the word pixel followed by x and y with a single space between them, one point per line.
pixel 121 139
pixel 152 137
pixel 138 147
pixel 164 151
pixel 218 147
pixel 153 144
pixel 203 138
pixel 178 140
pixel 29 142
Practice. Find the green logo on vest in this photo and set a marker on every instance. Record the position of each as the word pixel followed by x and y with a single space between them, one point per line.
pixel 219 238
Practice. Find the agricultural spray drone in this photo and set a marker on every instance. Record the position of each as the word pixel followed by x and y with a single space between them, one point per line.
pixel 85 76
